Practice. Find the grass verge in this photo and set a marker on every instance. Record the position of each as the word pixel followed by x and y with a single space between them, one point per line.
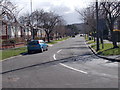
pixel 55 41
pixel 12 52
pixel 107 50
pixel 86 38
pixel 91 42
pixel 17 51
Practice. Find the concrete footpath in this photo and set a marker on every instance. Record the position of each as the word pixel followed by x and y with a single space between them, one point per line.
pixel 111 58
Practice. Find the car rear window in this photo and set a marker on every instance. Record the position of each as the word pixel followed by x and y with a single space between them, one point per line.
pixel 33 42
pixel 41 41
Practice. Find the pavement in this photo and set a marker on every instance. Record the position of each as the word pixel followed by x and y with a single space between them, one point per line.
pixel 107 41
pixel 17 45
pixel 111 58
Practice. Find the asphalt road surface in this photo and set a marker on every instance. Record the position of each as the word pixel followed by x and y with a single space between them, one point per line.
pixel 67 64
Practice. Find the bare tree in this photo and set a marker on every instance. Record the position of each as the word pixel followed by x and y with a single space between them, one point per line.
pixel 9 13
pixel 60 29
pixel 49 21
pixel 37 23
pixel 88 17
pixel 41 19
pixel 111 11
pixel 25 21
pixel 8 10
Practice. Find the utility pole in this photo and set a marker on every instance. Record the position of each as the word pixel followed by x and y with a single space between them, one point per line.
pixel 97 34
pixel 32 21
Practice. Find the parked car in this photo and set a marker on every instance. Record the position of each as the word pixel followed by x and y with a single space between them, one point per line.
pixel 73 35
pixel 81 35
pixel 37 45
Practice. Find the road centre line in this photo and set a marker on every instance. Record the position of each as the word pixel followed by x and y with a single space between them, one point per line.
pixel 69 66
pixel 54 57
pixel 73 68
pixel 59 51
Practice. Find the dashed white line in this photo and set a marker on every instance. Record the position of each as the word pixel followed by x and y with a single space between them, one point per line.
pixel 50 45
pixel 73 68
pixel 59 51
pixel 69 66
pixel 54 57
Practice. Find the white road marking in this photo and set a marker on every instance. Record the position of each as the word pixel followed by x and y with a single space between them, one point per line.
pixel 73 68
pixel 59 51
pixel 54 57
pixel 102 74
pixel 69 66
pixel 50 45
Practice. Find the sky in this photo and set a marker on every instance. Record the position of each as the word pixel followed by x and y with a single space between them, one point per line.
pixel 64 8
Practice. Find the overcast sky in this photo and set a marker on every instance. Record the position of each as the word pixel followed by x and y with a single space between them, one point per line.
pixel 65 8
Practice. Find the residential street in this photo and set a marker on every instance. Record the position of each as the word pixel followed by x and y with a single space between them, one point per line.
pixel 67 64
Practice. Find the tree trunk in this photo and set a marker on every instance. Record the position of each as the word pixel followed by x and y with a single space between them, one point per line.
pixel 35 33
pixel 94 36
pixel 41 33
pixel 114 40
pixel 101 40
pixel 48 37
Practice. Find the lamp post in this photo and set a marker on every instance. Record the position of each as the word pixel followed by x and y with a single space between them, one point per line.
pixel 32 21
pixel 31 5
pixel 97 35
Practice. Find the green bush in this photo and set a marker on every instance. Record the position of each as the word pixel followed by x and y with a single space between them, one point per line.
pixel 9 42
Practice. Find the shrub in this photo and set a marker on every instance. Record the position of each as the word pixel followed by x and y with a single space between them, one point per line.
pixel 9 42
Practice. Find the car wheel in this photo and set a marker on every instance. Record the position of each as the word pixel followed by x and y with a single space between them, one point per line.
pixel 41 50
pixel 46 48
pixel 29 51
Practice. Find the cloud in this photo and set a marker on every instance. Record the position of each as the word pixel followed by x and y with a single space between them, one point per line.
pixel 42 5
pixel 60 9
pixel 65 8
pixel 72 17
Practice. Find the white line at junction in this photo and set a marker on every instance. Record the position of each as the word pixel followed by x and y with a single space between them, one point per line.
pixel 59 51
pixel 69 66
pixel 54 57
pixel 73 68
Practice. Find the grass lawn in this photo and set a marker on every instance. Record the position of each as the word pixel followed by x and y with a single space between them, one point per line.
pixel 108 49
pixel 17 51
pixel 12 52
pixel 86 38
pixel 52 42
pixel 55 41
pixel 91 42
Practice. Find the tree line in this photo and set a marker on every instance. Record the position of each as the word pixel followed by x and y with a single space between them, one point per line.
pixel 39 19
pixel 108 13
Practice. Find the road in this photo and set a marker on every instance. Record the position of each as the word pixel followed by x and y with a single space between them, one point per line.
pixel 67 64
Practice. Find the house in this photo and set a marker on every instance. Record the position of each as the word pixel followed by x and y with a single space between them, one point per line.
pixel 11 30
pixel 117 29
pixel 117 25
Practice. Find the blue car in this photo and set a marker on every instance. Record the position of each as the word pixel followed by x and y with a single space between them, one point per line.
pixel 37 45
